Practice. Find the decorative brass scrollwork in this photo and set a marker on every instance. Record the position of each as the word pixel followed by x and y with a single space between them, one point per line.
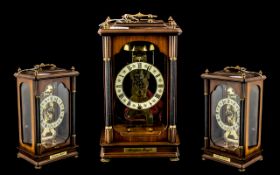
pixel 129 18
pixel 37 68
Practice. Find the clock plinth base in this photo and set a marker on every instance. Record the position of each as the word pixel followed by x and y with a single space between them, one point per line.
pixel 39 161
pixel 241 164
pixel 140 150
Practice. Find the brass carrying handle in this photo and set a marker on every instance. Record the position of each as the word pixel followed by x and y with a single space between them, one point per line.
pixel 42 65
pixel 234 69
pixel 37 68
pixel 241 70
pixel 138 16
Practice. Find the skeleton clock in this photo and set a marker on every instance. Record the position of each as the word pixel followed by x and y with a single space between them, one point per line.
pixel 233 115
pixel 140 70
pixel 46 113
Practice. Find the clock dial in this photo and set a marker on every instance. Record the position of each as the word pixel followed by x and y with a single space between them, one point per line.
pixel 139 73
pixel 48 107
pixel 232 113
pixel 225 117
pixel 52 113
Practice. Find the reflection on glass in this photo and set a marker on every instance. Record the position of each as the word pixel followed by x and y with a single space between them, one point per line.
pixel 54 109
pixel 225 117
pixel 254 114
pixel 26 114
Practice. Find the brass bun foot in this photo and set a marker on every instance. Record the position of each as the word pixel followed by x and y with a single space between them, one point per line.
pixel 203 158
pixel 241 169
pixel 77 156
pixel 174 159
pixel 261 159
pixel 38 167
pixel 104 160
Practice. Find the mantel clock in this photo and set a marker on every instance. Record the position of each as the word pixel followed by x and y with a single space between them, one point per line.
pixel 46 114
pixel 140 79
pixel 233 116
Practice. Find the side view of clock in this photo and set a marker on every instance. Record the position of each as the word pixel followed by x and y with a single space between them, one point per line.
pixel 140 87
pixel 233 115
pixel 46 114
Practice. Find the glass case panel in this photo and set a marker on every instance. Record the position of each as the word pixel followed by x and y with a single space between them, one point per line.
pixel 26 114
pixel 54 111
pixel 225 117
pixel 140 88
pixel 254 115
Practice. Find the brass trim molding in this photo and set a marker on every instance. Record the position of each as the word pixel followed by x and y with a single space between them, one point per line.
pixel 106 59
pixel 108 127
pixel 173 58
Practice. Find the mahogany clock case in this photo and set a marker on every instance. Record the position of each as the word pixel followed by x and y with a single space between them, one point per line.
pixel 213 38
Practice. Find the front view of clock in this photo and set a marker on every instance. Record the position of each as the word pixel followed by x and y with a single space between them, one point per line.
pixel 140 70
pixel 46 113
pixel 233 115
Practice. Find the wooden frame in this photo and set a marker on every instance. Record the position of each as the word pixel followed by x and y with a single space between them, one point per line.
pixel 164 36
pixel 37 78
pixel 242 82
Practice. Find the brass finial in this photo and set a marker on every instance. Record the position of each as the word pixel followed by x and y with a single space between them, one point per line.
pixel 106 23
pixel 19 69
pixel 73 68
pixel 206 71
pixel 108 18
pixel 260 72
pixel 172 22
pixel 170 19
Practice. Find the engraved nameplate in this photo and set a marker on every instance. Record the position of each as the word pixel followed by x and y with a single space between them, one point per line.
pixel 221 157
pixel 54 156
pixel 141 150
